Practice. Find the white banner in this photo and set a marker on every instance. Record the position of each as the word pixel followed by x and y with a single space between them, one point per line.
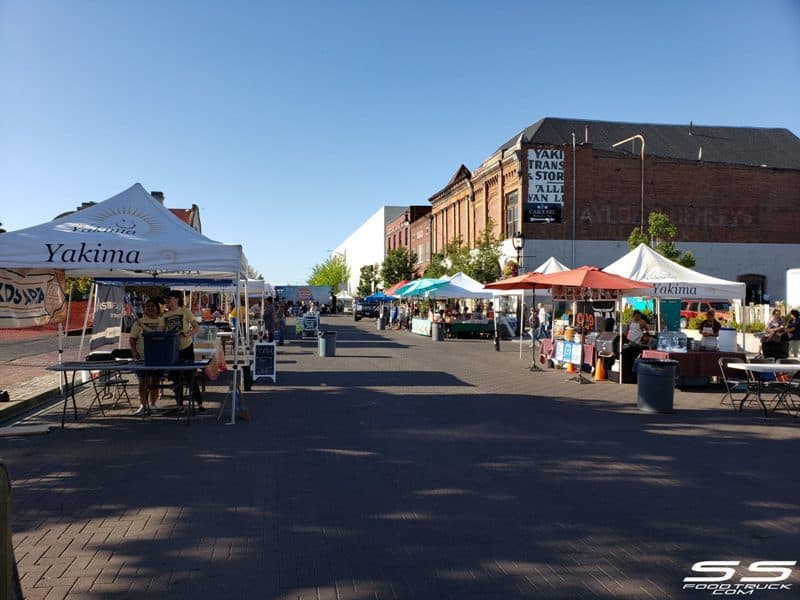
pixel 30 297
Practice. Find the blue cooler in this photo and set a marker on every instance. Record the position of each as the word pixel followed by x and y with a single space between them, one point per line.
pixel 160 348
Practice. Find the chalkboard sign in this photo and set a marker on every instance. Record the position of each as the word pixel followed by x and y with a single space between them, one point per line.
pixel 264 360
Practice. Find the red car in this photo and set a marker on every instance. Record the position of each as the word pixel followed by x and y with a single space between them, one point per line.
pixel 695 308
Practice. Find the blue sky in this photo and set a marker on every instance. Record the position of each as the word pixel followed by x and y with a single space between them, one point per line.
pixel 290 123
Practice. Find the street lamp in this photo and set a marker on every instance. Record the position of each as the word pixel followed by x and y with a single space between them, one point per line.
pixel 518 241
pixel 641 139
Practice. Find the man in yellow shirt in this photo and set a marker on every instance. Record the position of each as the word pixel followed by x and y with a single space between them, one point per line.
pixel 180 319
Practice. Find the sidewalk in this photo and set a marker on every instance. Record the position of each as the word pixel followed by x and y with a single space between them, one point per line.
pixel 404 468
pixel 28 382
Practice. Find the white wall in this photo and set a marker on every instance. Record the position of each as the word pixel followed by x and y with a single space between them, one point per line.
pixel 726 261
pixel 366 245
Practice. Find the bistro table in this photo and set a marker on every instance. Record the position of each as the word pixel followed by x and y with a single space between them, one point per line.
pixel 119 365
pixel 771 368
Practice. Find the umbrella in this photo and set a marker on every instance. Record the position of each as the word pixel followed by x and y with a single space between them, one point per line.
pixel 586 283
pixel 520 282
pixel 592 278
pixel 528 281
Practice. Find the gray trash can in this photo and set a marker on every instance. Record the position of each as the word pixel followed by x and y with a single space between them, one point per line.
pixel 437 332
pixel 327 343
pixel 656 384
pixel 381 323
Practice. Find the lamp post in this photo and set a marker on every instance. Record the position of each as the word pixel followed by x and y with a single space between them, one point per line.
pixel 518 241
pixel 641 139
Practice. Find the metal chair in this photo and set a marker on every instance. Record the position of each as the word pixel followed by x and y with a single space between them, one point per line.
pixel 735 382
pixel 114 384
pixel 790 397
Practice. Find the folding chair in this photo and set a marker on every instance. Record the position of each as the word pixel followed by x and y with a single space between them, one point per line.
pixel 117 379
pixel 790 396
pixel 735 382
pixel 99 390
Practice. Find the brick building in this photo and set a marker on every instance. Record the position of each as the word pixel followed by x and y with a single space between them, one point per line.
pixel 577 189
pixel 411 230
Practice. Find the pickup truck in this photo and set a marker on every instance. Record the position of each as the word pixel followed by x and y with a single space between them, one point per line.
pixel 365 309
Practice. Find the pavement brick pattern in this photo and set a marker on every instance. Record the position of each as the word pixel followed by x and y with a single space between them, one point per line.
pixel 405 468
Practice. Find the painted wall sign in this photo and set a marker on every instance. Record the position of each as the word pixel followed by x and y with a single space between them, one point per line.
pixel 545 185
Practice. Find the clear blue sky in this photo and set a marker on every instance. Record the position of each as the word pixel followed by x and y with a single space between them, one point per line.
pixel 290 123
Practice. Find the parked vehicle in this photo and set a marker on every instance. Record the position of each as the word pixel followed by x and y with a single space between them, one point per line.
pixel 365 309
pixel 695 308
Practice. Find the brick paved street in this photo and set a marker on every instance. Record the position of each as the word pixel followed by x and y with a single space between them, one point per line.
pixel 405 468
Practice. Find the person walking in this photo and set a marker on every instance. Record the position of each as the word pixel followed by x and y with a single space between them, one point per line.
pixel 280 321
pixel 541 331
pixel 269 319
pixel 533 325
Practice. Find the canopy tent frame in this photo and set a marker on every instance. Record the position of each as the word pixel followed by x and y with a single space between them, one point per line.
pixel 128 237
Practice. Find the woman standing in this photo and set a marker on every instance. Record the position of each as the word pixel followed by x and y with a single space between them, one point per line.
pixel 148 380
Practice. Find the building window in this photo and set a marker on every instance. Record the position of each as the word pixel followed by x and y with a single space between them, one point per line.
pixel 512 214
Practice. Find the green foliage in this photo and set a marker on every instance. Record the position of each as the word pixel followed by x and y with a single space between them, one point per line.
pixel 368 280
pixel 332 272
pixel 81 287
pixel 627 315
pixel 454 257
pixel 398 265
pixel 481 263
pixel 437 267
pixel 484 265
pixel 252 273
pixel 660 236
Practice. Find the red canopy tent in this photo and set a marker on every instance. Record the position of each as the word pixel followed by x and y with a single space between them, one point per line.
pixel 394 288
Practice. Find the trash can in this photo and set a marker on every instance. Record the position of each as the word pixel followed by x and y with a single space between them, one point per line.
pixel 437 332
pixel 327 343
pixel 381 323
pixel 656 384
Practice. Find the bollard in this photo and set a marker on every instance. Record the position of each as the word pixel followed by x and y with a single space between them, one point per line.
pixel 9 576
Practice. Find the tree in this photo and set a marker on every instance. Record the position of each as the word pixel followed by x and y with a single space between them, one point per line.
pixel 454 258
pixel 333 272
pixel 368 281
pixel 81 287
pixel 398 265
pixel 484 264
pixel 660 236
pixel 252 273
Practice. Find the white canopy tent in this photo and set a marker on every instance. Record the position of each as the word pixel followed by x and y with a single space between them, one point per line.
pixel 459 285
pixel 129 238
pixel 672 280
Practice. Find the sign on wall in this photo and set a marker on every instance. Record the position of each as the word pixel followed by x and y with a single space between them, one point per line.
pixel 545 186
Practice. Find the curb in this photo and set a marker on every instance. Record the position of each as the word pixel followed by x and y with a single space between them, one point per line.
pixel 15 408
